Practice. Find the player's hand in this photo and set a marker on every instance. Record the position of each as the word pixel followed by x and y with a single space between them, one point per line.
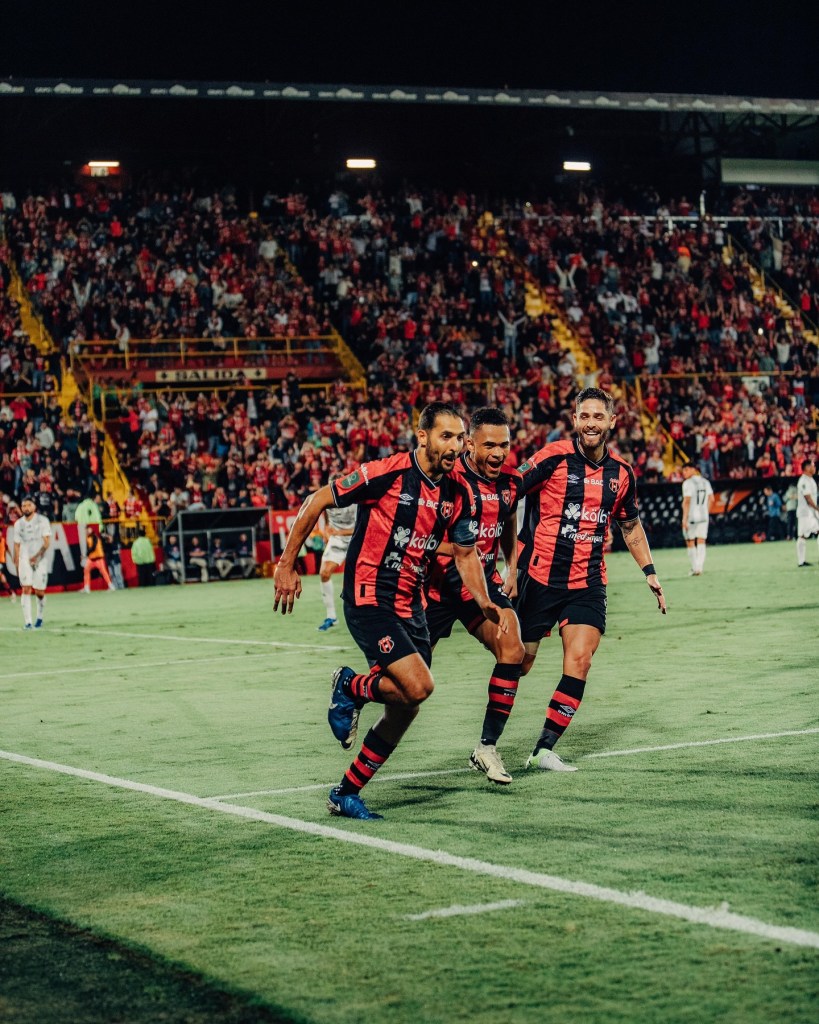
pixel 510 585
pixel 495 614
pixel 657 591
pixel 288 588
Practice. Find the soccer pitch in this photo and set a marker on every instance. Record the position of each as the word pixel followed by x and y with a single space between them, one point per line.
pixel 166 759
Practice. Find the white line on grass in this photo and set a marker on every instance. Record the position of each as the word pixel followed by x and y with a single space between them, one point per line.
pixel 713 917
pixel 457 910
pixel 327 785
pixel 456 771
pixel 65 631
pixel 105 667
pixel 703 743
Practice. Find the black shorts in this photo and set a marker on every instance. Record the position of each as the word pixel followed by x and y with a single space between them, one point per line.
pixel 384 637
pixel 442 615
pixel 539 607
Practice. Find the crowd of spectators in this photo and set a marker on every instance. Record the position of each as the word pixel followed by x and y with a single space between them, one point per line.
pixel 429 290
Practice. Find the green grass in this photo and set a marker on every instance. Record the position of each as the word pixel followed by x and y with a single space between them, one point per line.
pixel 316 928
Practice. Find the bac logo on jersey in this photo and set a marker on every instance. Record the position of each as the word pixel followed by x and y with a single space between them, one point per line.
pixel 447 508
pixel 386 644
pixel 349 482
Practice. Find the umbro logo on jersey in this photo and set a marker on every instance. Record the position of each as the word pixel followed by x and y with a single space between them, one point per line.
pixel 566 709
pixel 572 478
pixel 405 499
pixel 573 510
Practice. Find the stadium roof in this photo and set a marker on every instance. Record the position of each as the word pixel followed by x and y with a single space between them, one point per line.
pixel 555 99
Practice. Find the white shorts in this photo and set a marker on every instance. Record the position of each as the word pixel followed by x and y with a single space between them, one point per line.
pixel 37 578
pixel 807 526
pixel 336 550
pixel 697 531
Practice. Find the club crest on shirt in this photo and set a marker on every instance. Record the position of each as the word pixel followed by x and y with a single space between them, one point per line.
pixel 614 485
pixel 447 508
pixel 506 496
pixel 386 644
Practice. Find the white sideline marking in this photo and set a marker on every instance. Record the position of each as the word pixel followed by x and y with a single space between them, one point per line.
pixel 456 910
pixel 64 630
pixel 713 917
pixel 104 667
pixel 703 743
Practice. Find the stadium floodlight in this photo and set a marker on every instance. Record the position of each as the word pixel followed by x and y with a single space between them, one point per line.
pixel 360 164
pixel 110 164
pixel 576 165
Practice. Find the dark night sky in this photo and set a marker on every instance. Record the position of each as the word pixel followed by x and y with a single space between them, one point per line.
pixel 629 46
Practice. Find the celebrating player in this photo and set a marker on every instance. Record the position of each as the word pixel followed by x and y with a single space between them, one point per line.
pixel 574 488
pixel 32 536
pixel 407 504
pixel 495 494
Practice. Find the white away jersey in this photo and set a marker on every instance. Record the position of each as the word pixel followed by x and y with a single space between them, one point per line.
pixel 806 485
pixel 29 534
pixel 342 518
pixel 700 491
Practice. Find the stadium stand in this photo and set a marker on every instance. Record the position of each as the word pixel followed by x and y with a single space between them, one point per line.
pixel 238 357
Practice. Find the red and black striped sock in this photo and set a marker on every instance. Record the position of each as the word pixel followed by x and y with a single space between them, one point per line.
pixel 565 701
pixel 374 752
pixel 503 686
pixel 364 688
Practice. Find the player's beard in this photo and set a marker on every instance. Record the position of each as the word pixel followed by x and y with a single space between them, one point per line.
pixel 436 457
pixel 595 446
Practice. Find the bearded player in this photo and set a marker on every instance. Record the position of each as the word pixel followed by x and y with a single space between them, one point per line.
pixel 574 489
pixel 495 493
pixel 408 504
pixel 32 536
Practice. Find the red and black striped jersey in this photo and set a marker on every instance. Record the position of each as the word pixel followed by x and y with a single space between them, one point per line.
pixel 495 501
pixel 570 502
pixel 403 516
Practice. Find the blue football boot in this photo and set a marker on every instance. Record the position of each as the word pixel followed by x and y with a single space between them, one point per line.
pixel 349 805
pixel 343 711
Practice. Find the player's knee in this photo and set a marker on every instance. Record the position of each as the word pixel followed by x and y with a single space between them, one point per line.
pixel 511 651
pixel 578 664
pixel 325 575
pixel 526 664
pixel 418 690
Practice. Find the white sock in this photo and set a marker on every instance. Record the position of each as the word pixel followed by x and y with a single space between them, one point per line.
pixel 692 557
pixel 801 550
pixel 329 599
pixel 41 607
pixel 25 604
pixel 700 557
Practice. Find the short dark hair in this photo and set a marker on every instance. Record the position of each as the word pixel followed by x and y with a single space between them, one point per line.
pixel 598 394
pixel 431 412
pixel 487 416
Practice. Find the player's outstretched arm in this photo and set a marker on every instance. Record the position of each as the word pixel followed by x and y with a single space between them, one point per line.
pixel 285 579
pixel 636 541
pixel 471 572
